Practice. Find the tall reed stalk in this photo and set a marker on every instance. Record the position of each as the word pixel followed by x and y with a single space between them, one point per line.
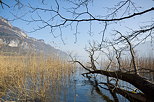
pixel 31 78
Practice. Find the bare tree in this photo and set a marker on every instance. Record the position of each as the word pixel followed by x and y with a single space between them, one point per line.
pixel 140 82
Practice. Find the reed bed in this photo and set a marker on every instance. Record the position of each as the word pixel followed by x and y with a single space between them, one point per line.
pixel 145 66
pixel 33 78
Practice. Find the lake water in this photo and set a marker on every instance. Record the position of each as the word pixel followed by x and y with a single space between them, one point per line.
pixel 81 90
pixel 76 89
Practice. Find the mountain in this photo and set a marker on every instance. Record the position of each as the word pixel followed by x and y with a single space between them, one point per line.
pixel 14 40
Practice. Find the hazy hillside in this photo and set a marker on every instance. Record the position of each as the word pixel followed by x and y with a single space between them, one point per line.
pixel 14 40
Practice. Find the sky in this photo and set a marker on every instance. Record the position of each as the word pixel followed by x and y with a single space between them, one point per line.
pixel 70 45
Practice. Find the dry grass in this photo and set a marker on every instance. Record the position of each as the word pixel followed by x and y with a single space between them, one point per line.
pixel 142 63
pixel 146 63
pixel 145 66
pixel 126 63
pixel 29 78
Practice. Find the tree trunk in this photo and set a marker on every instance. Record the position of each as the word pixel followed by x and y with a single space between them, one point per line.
pixel 131 96
pixel 139 82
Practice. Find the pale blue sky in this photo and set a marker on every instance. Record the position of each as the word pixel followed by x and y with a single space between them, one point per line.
pixel 96 8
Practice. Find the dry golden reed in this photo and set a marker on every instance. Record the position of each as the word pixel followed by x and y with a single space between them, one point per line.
pixel 145 66
pixel 30 78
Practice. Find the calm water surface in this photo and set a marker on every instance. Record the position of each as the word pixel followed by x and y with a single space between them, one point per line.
pixel 81 90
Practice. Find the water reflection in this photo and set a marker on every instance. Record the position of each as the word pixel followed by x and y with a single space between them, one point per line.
pixel 87 89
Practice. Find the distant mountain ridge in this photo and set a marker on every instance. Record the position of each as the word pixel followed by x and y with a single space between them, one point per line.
pixel 15 40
